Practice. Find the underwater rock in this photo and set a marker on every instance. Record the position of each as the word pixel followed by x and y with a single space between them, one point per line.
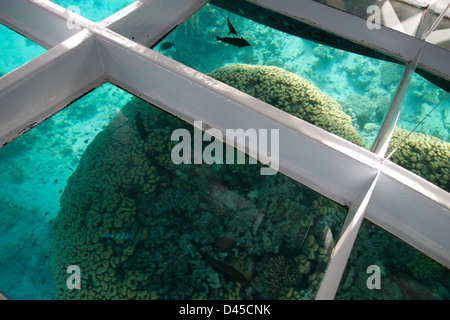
pixel 371 127
pixel 363 108
pixel 225 243
pixel 424 268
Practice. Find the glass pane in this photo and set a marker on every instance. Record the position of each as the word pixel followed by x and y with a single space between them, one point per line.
pixel 382 267
pixel 15 50
pixel 440 36
pixel 140 226
pixel 35 170
pixel 389 13
pixel 426 110
pixel 94 10
pixel 342 92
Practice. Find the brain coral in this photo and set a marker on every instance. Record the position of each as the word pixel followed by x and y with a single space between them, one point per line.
pixel 427 156
pixel 424 155
pixel 121 186
pixel 292 94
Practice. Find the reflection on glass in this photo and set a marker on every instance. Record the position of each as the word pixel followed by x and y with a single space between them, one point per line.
pixel 426 151
pixel 440 34
pixel 389 13
pixel 94 10
pixel 402 272
pixel 15 50
pixel 141 227
pixel 35 170
pixel 345 93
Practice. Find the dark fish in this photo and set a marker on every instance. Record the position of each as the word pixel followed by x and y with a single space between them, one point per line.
pixel 231 28
pixel 220 267
pixel 167 45
pixel 56 181
pixel 118 236
pixel 238 42
pixel 224 243
pixel 140 127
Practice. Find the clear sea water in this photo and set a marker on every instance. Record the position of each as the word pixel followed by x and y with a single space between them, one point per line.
pixel 36 166
pixel 94 10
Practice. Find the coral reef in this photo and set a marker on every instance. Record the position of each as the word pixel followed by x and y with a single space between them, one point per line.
pixel 126 183
pixel 424 268
pixel 362 109
pixel 292 94
pixel 280 272
pixel 424 155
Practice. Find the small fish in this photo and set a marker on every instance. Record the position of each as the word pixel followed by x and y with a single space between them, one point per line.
pixel 140 127
pixel 117 236
pixel 231 28
pixel 328 242
pixel 220 267
pixel 225 243
pixel 238 42
pixel 167 45
pixel 56 181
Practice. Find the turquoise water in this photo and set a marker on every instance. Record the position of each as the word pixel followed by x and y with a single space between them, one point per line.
pixel 94 10
pixel 36 167
pixel 15 50
pixel 49 176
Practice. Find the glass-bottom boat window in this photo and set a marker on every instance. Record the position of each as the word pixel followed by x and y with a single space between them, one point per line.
pixel 382 267
pixel 138 225
pixel 94 10
pixel 94 206
pixel 15 50
pixel 345 93
pixel 386 12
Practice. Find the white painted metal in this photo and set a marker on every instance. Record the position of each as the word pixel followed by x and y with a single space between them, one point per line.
pixel 384 136
pixel 341 252
pixel 43 86
pixel 193 96
pixel 41 21
pixel 147 22
pixel 389 17
pixel 438 20
pixel 414 210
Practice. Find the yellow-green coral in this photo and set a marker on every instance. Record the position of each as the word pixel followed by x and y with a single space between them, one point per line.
pixel 280 273
pixel 424 155
pixel 292 94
